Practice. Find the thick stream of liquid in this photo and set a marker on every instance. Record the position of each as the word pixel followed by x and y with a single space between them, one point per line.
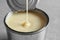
pixel 26 23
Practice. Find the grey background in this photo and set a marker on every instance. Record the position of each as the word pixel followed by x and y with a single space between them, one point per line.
pixel 51 7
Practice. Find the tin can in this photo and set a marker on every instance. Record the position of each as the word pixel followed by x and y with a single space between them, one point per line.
pixel 36 35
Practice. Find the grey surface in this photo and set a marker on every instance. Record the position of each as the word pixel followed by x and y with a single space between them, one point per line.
pixel 51 7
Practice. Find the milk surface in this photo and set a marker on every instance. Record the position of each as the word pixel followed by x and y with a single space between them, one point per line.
pixel 16 21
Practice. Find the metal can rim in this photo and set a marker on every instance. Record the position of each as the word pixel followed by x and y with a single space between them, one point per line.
pixel 29 33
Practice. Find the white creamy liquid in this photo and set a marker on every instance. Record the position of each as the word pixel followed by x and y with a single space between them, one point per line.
pixel 27 23
pixel 15 21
